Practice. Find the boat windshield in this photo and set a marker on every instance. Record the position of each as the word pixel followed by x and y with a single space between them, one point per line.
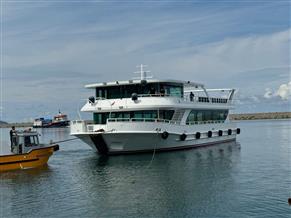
pixel 30 141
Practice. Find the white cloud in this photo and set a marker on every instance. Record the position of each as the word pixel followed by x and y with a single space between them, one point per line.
pixel 237 55
pixel 284 91
pixel 268 94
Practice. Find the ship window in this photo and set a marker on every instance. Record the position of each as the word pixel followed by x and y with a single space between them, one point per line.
pixel 150 114
pixel 27 141
pixel 113 92
pixel 126 115
pixel 100 118
pixel 166 114
pixel 206 115
pixel 30 141
pixel 125 91
pixel 199 116
pixel 138 114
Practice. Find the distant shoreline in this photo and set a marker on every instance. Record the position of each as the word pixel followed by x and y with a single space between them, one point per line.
pixel 19 125
pixel 246 116
pixel 261 116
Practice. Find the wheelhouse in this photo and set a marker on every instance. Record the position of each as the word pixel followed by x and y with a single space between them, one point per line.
pixel 114 91
pixel 23 141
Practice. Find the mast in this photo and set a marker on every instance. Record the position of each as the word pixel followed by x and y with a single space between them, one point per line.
pixel 142 72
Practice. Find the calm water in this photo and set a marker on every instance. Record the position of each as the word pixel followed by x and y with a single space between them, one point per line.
pixel 249 179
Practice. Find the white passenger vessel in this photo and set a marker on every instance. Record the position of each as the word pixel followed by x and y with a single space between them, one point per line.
pixel 144 115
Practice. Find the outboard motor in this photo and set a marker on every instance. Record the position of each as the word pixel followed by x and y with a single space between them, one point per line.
pixel 134 96
pixel 91 99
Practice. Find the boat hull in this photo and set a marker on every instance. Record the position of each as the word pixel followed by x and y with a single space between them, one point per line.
pixel 126 143
pixel 32 159
pixel 54 124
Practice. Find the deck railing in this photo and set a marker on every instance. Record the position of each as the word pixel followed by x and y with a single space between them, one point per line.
pixel 162 121
pixel 205 122
pixel 140 120
pixel 196 99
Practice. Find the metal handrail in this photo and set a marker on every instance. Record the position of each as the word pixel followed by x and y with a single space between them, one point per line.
pixel 205 122
pixel 138 120
pixel 158 95
pixel 186 98
pixel 161 121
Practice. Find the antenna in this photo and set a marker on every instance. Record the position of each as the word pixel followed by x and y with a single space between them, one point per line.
pixel 142 72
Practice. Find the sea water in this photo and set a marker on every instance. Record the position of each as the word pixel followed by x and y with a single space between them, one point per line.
pixel 250 178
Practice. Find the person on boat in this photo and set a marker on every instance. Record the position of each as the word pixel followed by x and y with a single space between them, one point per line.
pixel 12 138
pixel 191 96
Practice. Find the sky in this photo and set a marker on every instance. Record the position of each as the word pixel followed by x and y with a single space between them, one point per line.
pixel 51 49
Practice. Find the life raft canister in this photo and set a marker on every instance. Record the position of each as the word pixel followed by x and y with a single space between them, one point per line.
pixel 183 137
pixel 198 135
pixel 238 131
pixel 209 134
pixel 220 132
pixel 165 135
pixel 229 131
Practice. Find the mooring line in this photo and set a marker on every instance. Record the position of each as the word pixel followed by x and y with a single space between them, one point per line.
pixel 154 152
pixel 51 142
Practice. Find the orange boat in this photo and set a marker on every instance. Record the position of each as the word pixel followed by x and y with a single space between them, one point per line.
pixel 27 152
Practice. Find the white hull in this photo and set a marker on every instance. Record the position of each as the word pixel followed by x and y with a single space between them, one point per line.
pixel 119 142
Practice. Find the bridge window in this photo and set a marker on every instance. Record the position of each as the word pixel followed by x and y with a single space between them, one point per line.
pixel 30 141
pixel 125 91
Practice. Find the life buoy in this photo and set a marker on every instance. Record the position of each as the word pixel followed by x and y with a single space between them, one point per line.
pixel 198 135
pixel 220 133
pixel 238 131
pixel 183 137
pixel 209 134
pixel 165 135
pixel 229 131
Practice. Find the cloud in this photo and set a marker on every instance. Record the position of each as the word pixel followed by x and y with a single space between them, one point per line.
pixel 283 92
pixel 48 60
pixel 236 55
pixel 268 94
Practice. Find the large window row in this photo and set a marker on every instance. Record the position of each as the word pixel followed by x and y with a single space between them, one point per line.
pixel 125 91
pixel 206 115
pixel 100 118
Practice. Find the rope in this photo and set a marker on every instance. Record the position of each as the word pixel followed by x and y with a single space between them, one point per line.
pixel 63 141
pixel 154 152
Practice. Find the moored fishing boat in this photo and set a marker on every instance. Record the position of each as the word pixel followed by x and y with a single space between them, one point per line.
pixel 26 152
pixel 144 115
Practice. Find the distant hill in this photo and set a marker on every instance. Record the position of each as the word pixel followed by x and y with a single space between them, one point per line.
pixel 2 122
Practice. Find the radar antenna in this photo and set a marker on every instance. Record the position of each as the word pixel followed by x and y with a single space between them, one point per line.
pixel 142 72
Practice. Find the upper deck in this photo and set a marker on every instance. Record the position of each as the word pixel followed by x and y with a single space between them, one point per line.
pixel 149 93
pixel 125 89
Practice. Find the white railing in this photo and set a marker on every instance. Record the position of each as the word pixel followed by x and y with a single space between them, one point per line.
pixel 157 95
pixel 140 120
pixel 162 121
pixel 205 122
pixel 207 100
